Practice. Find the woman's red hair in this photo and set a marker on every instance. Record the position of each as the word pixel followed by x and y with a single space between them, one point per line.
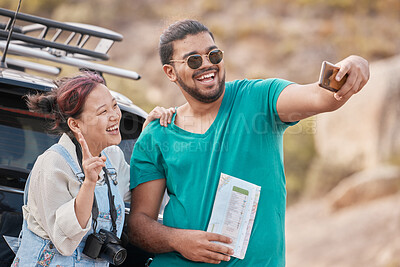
pixel 66 100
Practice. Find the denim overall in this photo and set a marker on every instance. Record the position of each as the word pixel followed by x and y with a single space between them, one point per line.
pixel 36 251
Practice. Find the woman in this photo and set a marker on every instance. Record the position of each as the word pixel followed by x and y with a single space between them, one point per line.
pixel 62 207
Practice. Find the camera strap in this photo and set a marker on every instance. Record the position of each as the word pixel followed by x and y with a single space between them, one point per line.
pixel 113 210
pixel 95 208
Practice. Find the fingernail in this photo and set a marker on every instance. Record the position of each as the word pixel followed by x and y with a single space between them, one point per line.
pixel 338 78
pixel 337 97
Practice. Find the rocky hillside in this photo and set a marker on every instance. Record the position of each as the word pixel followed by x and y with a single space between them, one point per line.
pixel 363 134
pixel 261 38
pixel 357 223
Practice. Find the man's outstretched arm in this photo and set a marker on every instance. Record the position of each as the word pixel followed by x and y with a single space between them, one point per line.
pixel 298 102
pixel 147 233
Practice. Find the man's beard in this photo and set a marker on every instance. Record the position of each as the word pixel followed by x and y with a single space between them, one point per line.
pixel 197 94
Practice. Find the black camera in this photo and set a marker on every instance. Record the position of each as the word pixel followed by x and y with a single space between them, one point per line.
pixel 105 245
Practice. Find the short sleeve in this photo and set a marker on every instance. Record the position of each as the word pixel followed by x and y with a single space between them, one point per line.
pixel 146 161
pixel 276 88
pixel 261 97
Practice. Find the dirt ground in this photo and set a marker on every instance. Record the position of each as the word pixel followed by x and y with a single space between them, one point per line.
pixel 367 234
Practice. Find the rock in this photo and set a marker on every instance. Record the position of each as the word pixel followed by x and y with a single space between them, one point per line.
pixel 366 130
pixel 365 186
pixel 362 134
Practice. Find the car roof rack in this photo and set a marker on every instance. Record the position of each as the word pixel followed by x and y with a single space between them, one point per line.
pixel 60 42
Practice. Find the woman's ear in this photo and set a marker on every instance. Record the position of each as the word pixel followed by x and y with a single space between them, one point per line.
pixel 73 125
pixel 170 71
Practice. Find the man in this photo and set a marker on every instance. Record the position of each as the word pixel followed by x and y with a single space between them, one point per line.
pixel 234 128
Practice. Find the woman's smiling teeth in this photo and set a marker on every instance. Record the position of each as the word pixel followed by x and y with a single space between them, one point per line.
pixel 112 128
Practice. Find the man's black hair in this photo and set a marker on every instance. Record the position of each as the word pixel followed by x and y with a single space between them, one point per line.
pixel 178 31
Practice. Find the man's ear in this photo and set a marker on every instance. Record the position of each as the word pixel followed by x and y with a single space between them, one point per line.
pixel 170 71
pixel 73 125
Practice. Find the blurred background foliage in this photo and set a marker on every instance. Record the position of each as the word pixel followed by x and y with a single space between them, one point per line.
pixel 261 39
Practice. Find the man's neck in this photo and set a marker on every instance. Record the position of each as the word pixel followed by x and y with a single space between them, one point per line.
pixel 197 117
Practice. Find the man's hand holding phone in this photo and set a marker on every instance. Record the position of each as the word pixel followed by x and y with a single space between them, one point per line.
pixel 345 78
pixel 327 77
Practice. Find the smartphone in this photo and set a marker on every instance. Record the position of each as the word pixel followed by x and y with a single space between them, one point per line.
pixel 327 77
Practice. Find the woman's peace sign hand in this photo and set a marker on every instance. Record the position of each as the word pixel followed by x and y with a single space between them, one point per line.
pixel 91 165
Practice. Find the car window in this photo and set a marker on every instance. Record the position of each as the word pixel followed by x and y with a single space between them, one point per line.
pixel 127 147
pixel 130 127
pixel 22 139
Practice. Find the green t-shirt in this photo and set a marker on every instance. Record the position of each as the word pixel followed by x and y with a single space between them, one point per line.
pixel 244 141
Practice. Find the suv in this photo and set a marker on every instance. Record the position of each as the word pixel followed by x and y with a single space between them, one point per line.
pixel 22 133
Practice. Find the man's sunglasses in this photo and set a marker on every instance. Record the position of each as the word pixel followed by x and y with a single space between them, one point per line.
pixel 195 61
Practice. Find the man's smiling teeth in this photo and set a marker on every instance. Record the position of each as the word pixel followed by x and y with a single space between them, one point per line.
pixel 206 76
pixel 113 128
